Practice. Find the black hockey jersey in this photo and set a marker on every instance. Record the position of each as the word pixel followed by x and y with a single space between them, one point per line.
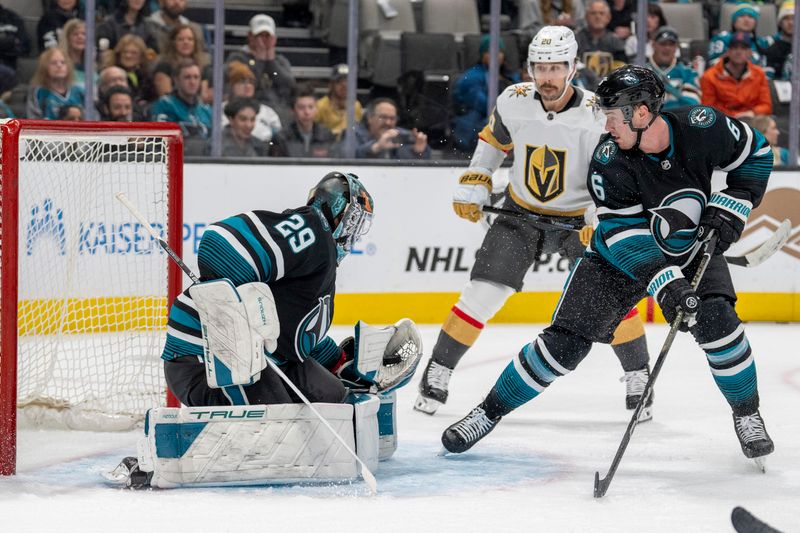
pixel 649 205
pixel 293 252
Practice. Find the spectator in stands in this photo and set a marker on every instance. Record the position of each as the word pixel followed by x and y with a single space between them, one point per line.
pixel 655 20
pixel 70 112
pixel 237 138
pixel 680 80
pixel 128 18
pixel 163 21
pixel 304 137
pixel 743 19
pixel 599 49
pixel 116 105
pixel 769 128
pixel 378 136
pixel 533 14
pixel 734 85
pixel 112 76
pixel 182 44
pixel 73 43
pixel 49 27
pixel 622 12
pixel 332 108
pixel 779 54
pixel 274 80
pixel 14 39
pixel 8 80
pixel 183 106
pixel 471 94
pixel 131 55
pixel 52 86
pixel 242 84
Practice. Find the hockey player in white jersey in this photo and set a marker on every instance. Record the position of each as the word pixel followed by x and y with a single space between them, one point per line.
pixel 552 128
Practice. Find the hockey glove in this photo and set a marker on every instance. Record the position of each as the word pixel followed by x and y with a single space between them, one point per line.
pixel 727 215
pixel 673 293
pixel 472 194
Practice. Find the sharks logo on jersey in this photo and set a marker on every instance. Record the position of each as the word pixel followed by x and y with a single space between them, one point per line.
pixel 605 151
pixel 545 171
pixel 311 330
pixel 674 222
pixel 702 117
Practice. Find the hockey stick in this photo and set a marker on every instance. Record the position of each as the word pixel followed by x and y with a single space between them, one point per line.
pixel 368 477
pixel 601 485
pixel 754 258
pixel 146 225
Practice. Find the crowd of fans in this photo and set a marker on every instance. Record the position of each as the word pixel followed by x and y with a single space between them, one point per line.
pixel 152 64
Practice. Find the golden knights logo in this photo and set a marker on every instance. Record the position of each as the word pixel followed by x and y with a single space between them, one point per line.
pixel 601 63
pixel 521 90
pixel 545 171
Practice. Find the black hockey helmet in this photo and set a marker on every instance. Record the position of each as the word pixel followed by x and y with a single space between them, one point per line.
pixel 629 86
pixel 347 207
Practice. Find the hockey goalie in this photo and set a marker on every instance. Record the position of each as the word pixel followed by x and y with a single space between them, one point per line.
pixel 268 396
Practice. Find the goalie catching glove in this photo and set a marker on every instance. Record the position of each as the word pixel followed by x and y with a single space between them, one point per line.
pixel 238 324
pixel 472 194
pixel 380 359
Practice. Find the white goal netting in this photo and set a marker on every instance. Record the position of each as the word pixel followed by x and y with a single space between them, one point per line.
pixel 92 284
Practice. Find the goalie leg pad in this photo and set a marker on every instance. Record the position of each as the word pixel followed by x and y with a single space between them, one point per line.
pixel 387 357
pixel 257 444
pixel 237 325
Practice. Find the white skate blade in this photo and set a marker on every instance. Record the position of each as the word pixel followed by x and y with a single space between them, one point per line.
pixel 119 475
pixel 444 452
pixel 426 405
pixel 646 414
pixel 761 463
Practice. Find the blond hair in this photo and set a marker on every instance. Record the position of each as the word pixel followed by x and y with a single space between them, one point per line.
pixel 41 78
pixel 70 27
pixel 111 58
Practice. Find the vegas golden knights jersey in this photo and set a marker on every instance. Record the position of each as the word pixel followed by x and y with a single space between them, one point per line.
pixel 551 150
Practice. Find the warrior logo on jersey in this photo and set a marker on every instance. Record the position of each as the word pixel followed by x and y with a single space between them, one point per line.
pixel 313 327
pixel 674 222
pixel 702 117
pixel 605 152
pixel 545 169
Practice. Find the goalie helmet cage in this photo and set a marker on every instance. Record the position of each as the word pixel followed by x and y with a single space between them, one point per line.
pixel 85 290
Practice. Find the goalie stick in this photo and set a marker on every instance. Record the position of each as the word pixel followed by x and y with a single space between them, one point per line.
pixel 751 259
pixel 601 485
pixel 365 472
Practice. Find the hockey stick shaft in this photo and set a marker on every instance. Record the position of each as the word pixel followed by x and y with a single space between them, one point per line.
pixel 752 259
pixel 366 474
pixel 601 485
pixel 146 225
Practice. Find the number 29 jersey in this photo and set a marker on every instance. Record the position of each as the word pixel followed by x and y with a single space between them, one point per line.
pixel 293 252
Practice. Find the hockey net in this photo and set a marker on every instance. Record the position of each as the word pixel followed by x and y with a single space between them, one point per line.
pixel 85 289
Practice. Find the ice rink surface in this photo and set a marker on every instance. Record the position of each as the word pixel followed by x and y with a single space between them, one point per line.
pixel 683 471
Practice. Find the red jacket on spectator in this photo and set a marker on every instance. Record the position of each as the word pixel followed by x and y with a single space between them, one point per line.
pixel 732 96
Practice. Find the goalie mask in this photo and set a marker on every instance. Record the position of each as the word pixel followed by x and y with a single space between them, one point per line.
pixel 346 206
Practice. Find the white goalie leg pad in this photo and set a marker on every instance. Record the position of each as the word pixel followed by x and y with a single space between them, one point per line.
pixel 387 356
pixel 257 444
pixel 237 325
pixel 387 425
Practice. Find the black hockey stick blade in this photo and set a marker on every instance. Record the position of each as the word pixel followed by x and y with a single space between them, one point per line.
pixel 537 220
pixel 767 248
pixel 744 522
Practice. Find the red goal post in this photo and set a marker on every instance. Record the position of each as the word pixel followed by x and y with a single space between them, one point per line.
pixel 85 290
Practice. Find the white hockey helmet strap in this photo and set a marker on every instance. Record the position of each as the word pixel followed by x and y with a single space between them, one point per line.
pixel 554 44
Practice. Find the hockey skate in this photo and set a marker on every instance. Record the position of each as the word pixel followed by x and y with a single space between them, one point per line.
pixel 753 437
pixel 465 433
pixel 433 388
pixel 127 473
pixel 635 382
